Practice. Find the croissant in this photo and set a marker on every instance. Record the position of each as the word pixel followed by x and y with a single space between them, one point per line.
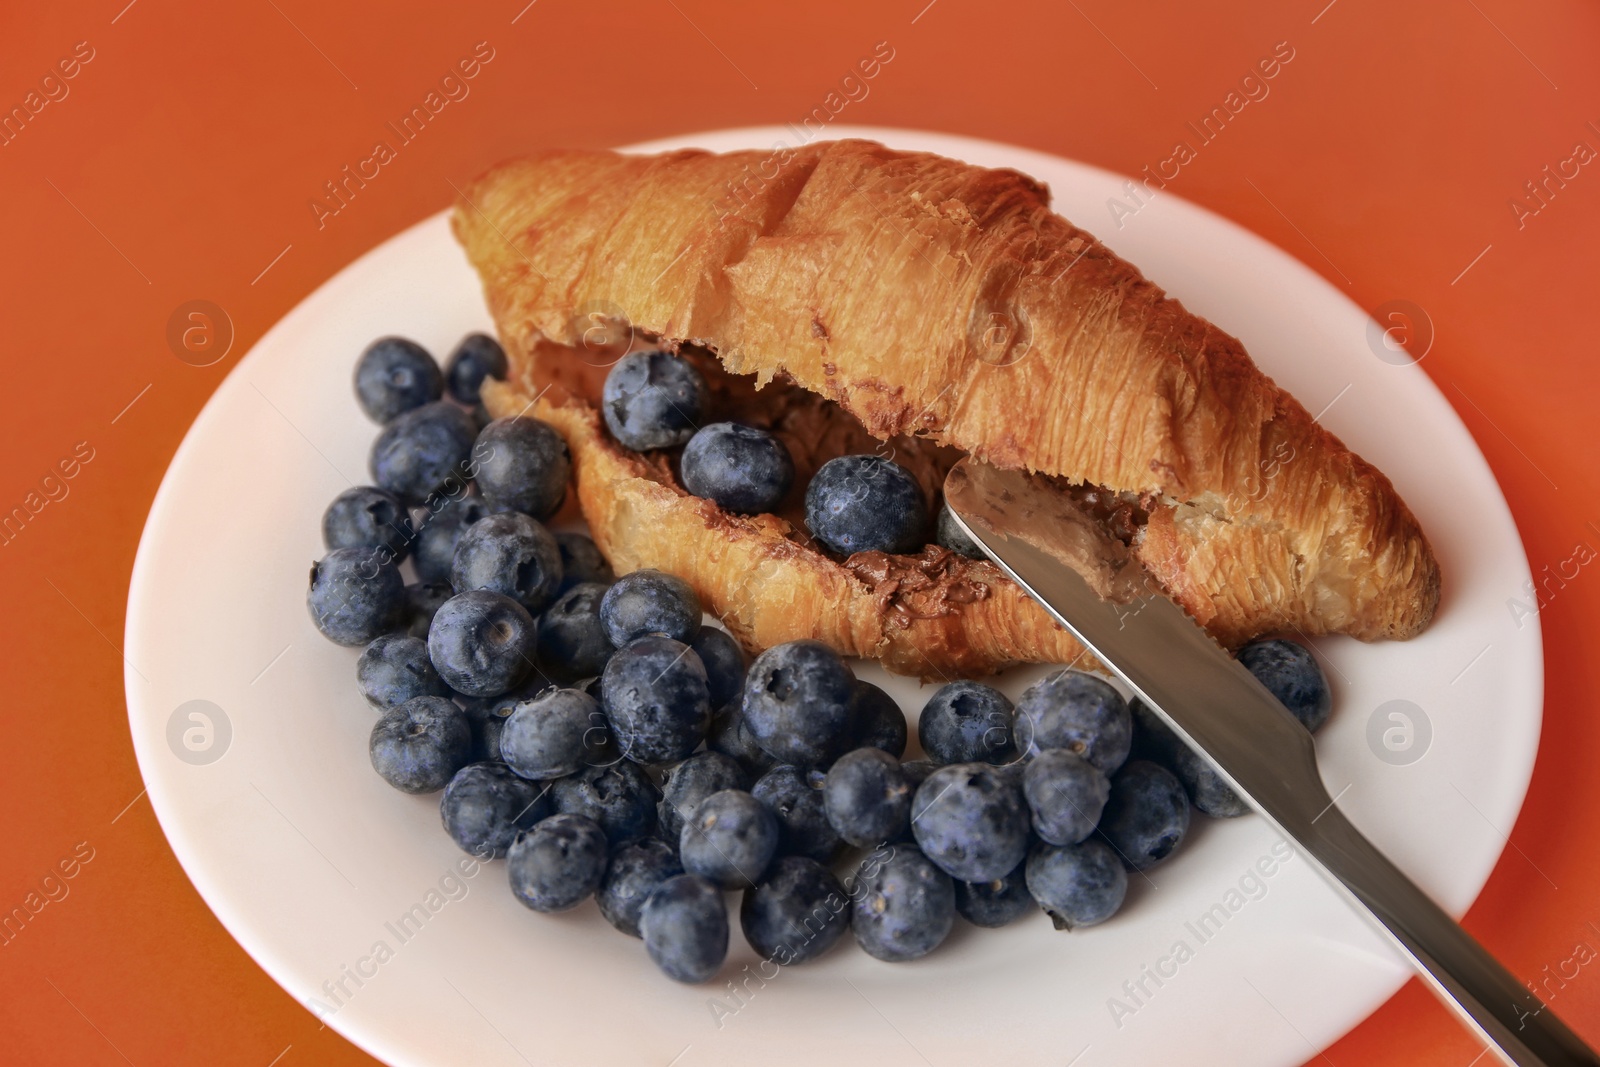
pixel 853 298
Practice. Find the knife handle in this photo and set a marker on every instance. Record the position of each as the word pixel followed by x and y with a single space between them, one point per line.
pixel 1507 1014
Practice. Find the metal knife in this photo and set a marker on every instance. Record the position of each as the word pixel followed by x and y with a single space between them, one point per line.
pixel 1095 588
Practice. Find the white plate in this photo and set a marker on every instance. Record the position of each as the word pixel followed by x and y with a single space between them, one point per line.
pixel 310 860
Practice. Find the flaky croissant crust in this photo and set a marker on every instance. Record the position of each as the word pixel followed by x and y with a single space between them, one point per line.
pixel 932 297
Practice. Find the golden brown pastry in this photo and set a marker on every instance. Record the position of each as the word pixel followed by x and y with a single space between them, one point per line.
pixel 945 307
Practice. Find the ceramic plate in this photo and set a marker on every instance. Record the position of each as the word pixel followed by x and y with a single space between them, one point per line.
pixel 252 737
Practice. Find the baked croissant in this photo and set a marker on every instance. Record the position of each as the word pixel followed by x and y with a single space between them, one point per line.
pixel 853 298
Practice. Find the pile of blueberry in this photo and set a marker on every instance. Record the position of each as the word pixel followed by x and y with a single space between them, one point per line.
pixel 855 503
pixel 605 743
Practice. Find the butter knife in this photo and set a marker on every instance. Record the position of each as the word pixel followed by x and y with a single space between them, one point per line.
pixel 1094 587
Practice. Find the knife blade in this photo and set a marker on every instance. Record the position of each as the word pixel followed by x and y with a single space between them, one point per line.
pixel 1093 586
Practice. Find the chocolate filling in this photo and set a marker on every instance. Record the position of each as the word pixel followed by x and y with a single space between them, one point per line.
pixel 928 584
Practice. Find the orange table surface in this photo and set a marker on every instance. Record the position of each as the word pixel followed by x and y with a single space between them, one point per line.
pixel 1438 153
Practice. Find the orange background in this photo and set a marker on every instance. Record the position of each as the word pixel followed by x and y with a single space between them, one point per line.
pixel 181 164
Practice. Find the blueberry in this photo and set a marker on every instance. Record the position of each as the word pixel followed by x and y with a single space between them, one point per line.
pixel 1078 712
pixel 867 797
pixel 877 720
pixel 723 660
pixel 558 863
pixel 949 534
pixel 996 903
pixel 866 504
pixel 481 643
pixel 423 452
pixel 1014 771
pixel 797 702
pixel 1066 794
pixel 394 668
pixel 653 400
pixel 423 599
pixel 394 376
pixel 509 554
pixel 654 695
pixel 684 924
pixel 1147 814
pixel 477 357
pixel 438 532
pixel 522 465
pixel 368 517
pixel 634 873
pixel 903 906
pixel 581 561
pixel 418 746
pixel 1291 674
pixel 354 597
pixel 690 782
pixel 739 468
pixel 572 640
pixel 967 722
pixel 557 733
pixel 1077 885
pixel 730 735
pixel 917 770
pixel 485 805
pixel 650 602
pixel 796 798
pixel 1206 789
pixel 486 729
pixel 730 837
pixel 1154 740
pixel 972 821
pixel 796 913
pixel 618 796
pixel 488 715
